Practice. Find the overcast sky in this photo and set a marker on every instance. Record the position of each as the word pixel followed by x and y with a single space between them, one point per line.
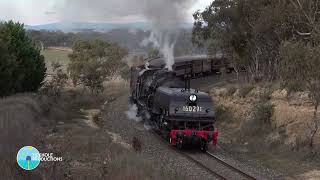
pixel 34 12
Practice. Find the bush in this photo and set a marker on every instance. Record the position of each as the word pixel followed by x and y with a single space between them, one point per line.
pixel 266 95
pixel 245 90
pixel 231 90
pixel 223 114
pixel 56 84
pixel 262 112
pixel 294 87
pixel 22 68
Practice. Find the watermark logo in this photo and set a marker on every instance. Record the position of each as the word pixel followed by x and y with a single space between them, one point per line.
pixel 49 157
pixel 28 158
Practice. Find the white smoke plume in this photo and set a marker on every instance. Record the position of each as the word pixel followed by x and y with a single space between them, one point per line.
pixel 165 16
pixel 164 41
pixel 147 123
pixel 132 112
pixel 147 126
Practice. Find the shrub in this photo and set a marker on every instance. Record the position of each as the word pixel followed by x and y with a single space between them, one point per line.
pixel 22 68
pixel 223 114
pixel 245 90
pixel 294 87
pixel 231 90
pixel 55 85
pixel 266 95
pixel 262 112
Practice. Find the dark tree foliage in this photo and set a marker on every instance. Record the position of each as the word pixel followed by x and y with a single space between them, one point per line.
pixel 22 68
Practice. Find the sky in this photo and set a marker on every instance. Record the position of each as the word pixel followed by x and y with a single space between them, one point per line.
pixel 35 12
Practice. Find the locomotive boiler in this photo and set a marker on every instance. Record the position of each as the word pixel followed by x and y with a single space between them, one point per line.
pixel 183 115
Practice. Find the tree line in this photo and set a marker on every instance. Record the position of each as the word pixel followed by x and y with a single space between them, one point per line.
pixel 124 37
pixel 272 40
pixel 23 69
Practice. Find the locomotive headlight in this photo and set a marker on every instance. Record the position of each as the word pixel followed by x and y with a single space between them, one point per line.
pixel 193 98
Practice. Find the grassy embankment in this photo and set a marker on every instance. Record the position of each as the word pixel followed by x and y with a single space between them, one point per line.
pixel 267 123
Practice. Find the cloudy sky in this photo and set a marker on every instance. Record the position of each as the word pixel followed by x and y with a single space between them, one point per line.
pixel 34 12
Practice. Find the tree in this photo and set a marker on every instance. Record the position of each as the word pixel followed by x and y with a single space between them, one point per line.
pixel 301 65
pixel 22 67
pixel 56 83
pixel 94 61
pixel 273 40
pixel 250 30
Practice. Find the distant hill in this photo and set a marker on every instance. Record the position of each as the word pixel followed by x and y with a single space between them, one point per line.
pixel 84 26
pixel 78 26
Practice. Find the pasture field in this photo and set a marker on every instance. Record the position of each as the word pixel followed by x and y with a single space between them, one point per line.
pixel 57 55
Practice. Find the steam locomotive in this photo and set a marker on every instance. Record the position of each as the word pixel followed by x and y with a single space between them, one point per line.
pixel 182 115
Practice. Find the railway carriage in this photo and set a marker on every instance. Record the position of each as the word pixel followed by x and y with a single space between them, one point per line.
pixel 196 65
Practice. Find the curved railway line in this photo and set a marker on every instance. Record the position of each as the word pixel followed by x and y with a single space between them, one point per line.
pixel 244 174
pixel 223 174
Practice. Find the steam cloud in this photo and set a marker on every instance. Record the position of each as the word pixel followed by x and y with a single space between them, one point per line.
pixel 165 16
pixel 132 112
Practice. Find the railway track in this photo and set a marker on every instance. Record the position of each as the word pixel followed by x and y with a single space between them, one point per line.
pixel 244 174
pixel 211 169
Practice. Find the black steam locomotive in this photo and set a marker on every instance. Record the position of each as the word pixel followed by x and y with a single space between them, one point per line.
pixel 183 115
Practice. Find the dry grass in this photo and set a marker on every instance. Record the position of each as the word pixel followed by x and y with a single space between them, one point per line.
pixel 89 153
pixel 19 126
pixel 133 166
pixel 245 90
pixel 280 140
pixel 291 116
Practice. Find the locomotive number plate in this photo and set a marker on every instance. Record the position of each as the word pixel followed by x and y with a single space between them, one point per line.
pixel 191 108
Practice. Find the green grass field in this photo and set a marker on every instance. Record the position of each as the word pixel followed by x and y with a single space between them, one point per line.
pixel 55 55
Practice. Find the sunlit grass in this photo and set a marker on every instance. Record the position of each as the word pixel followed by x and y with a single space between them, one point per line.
pixel 56 55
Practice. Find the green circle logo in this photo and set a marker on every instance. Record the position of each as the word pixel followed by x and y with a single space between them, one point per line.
pixel 28 158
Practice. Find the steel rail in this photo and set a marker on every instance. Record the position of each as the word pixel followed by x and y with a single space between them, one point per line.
pixel 185 155
pixel 248 176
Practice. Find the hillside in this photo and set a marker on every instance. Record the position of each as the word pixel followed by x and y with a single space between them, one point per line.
pixel 99 27
pixel 270 125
